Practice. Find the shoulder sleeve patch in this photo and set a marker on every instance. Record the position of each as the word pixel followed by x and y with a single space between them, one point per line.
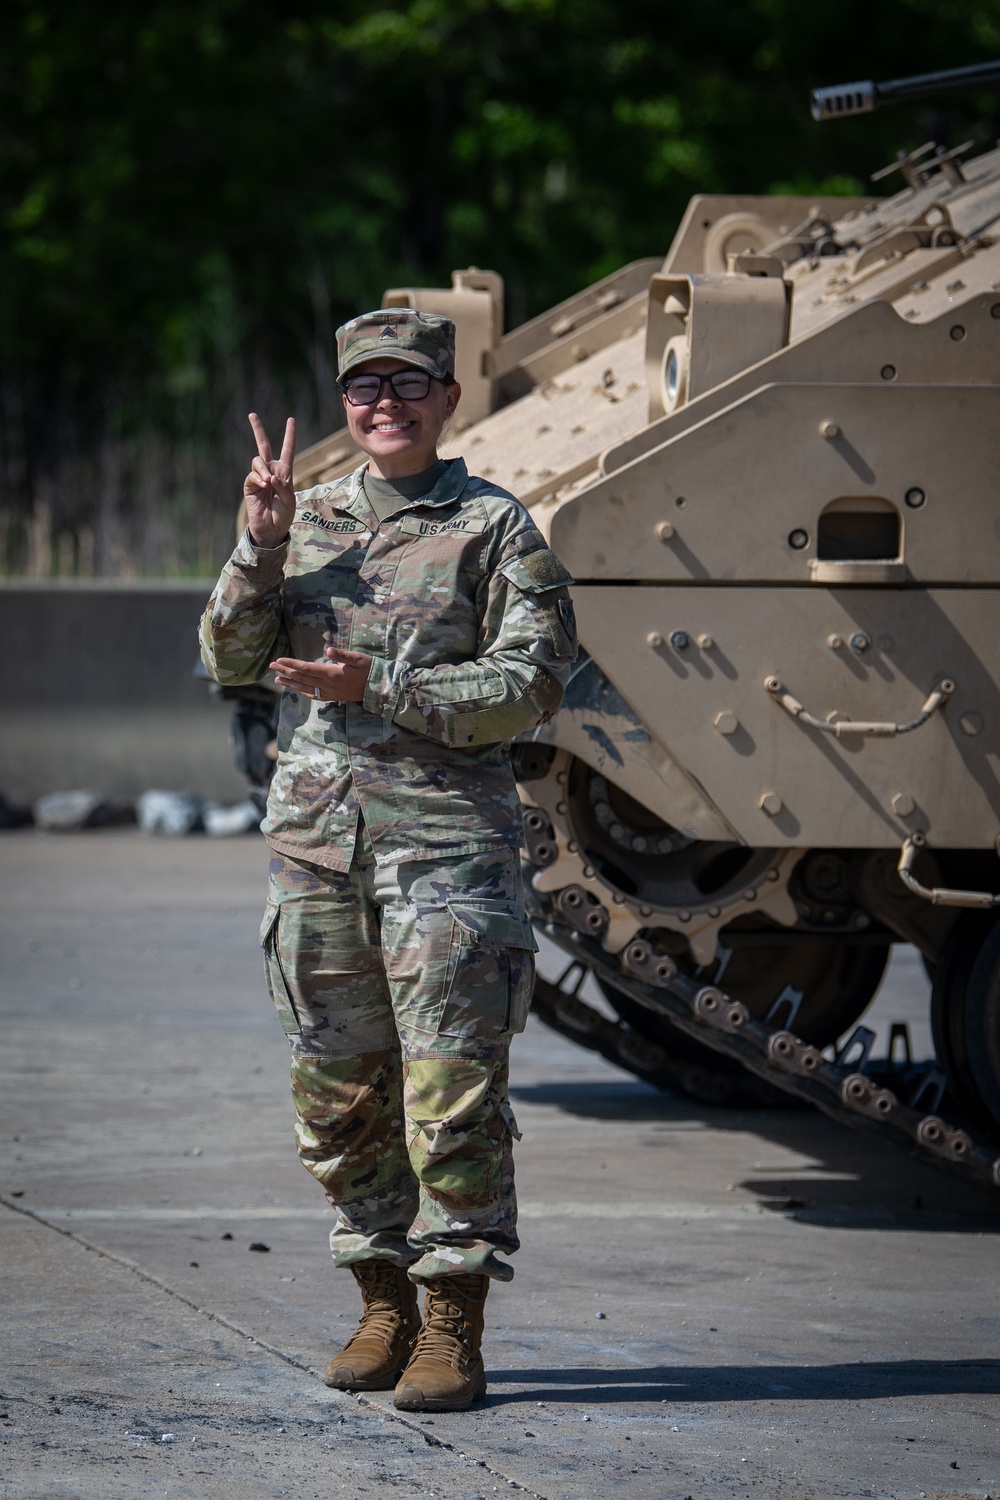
pixel 537 572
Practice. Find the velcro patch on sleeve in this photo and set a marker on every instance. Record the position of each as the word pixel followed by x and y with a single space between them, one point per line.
pixel 536 572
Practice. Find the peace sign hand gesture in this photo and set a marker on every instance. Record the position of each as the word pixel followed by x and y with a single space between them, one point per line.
pixel 267 489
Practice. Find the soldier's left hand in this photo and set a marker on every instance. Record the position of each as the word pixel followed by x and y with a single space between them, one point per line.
pixel 341 678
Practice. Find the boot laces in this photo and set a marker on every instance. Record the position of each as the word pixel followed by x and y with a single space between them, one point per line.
pixel 443 1327
pixel 383 1314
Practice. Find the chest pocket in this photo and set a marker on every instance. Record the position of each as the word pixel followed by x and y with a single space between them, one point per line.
pixel 543 580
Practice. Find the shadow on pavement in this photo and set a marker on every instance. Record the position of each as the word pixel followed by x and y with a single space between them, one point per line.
pixel 708 1383
pixel 871 1184
pixel 629 1099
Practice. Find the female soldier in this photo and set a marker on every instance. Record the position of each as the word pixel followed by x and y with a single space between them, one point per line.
pixel 417 622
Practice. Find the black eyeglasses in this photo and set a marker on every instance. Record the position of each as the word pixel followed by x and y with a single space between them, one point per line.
pixel 406 385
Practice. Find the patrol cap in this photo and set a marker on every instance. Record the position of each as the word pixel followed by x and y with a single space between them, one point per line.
pixel 424 339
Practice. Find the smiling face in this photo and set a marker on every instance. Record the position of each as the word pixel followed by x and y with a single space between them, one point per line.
pixel 400 437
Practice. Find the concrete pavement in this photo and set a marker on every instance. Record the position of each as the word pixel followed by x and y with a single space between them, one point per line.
pixel 708 1303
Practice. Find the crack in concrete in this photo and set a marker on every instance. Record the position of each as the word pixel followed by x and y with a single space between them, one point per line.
pixel 206 1312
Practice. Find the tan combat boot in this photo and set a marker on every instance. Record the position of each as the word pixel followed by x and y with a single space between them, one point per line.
pixel 445 1372
pixel 380 1345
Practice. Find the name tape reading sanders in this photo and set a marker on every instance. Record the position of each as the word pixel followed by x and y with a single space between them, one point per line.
pixel 313 519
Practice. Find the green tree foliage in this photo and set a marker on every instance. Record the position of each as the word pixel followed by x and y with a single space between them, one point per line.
pixel 193 196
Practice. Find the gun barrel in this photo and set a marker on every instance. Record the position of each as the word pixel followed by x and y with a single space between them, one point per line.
pixel 860 98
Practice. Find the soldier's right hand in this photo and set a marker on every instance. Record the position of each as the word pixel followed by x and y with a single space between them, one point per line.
pixel 267 489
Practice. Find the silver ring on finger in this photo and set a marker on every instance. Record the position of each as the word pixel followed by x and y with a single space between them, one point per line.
pixel 317 695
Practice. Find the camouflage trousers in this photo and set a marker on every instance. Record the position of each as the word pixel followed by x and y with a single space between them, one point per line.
pixel 399 989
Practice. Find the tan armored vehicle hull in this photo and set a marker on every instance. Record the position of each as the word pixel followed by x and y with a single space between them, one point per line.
pixel 771 462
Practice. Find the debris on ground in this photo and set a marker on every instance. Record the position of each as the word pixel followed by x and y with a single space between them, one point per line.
pixel 170 814
pixel 61 812
pixel 225 822
pixel 12 816
pixel 174 814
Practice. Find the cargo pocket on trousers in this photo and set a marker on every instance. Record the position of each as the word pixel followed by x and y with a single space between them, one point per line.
pixel 276 981
pixel 494 972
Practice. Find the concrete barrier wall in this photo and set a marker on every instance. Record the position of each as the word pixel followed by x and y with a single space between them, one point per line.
pixel 97 689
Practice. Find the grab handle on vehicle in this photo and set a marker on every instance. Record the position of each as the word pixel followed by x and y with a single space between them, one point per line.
pixel 874 729
pixel 937 895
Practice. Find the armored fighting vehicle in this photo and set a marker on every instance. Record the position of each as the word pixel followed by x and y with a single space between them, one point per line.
pixel 770 458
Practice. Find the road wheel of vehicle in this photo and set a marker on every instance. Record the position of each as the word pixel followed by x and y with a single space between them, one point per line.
pixel 830 983
pixel 972 1030
pixel 816 989
pixel 654 1049
pixel 689 1066
pixel 950 996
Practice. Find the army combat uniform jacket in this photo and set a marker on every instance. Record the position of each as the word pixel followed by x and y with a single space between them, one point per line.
pixel 467 617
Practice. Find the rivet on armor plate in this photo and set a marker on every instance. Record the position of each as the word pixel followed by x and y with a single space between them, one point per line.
pixel 835 642
pixel 902 804
pixel 829 430
pixel 861 642
pixel 915 498
pixel 560 807
pixel 770 803
pixel 654 640
pixel 680 640
pixel 888 372
pixel 726 722
pixel 957 333
pixel 970 723
pixel 664 531
pixel 704 642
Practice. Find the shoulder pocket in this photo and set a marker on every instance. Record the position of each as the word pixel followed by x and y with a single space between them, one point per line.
pixel 536 573
pixel 543 580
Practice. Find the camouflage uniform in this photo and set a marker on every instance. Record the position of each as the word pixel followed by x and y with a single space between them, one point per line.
pixel 397 949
